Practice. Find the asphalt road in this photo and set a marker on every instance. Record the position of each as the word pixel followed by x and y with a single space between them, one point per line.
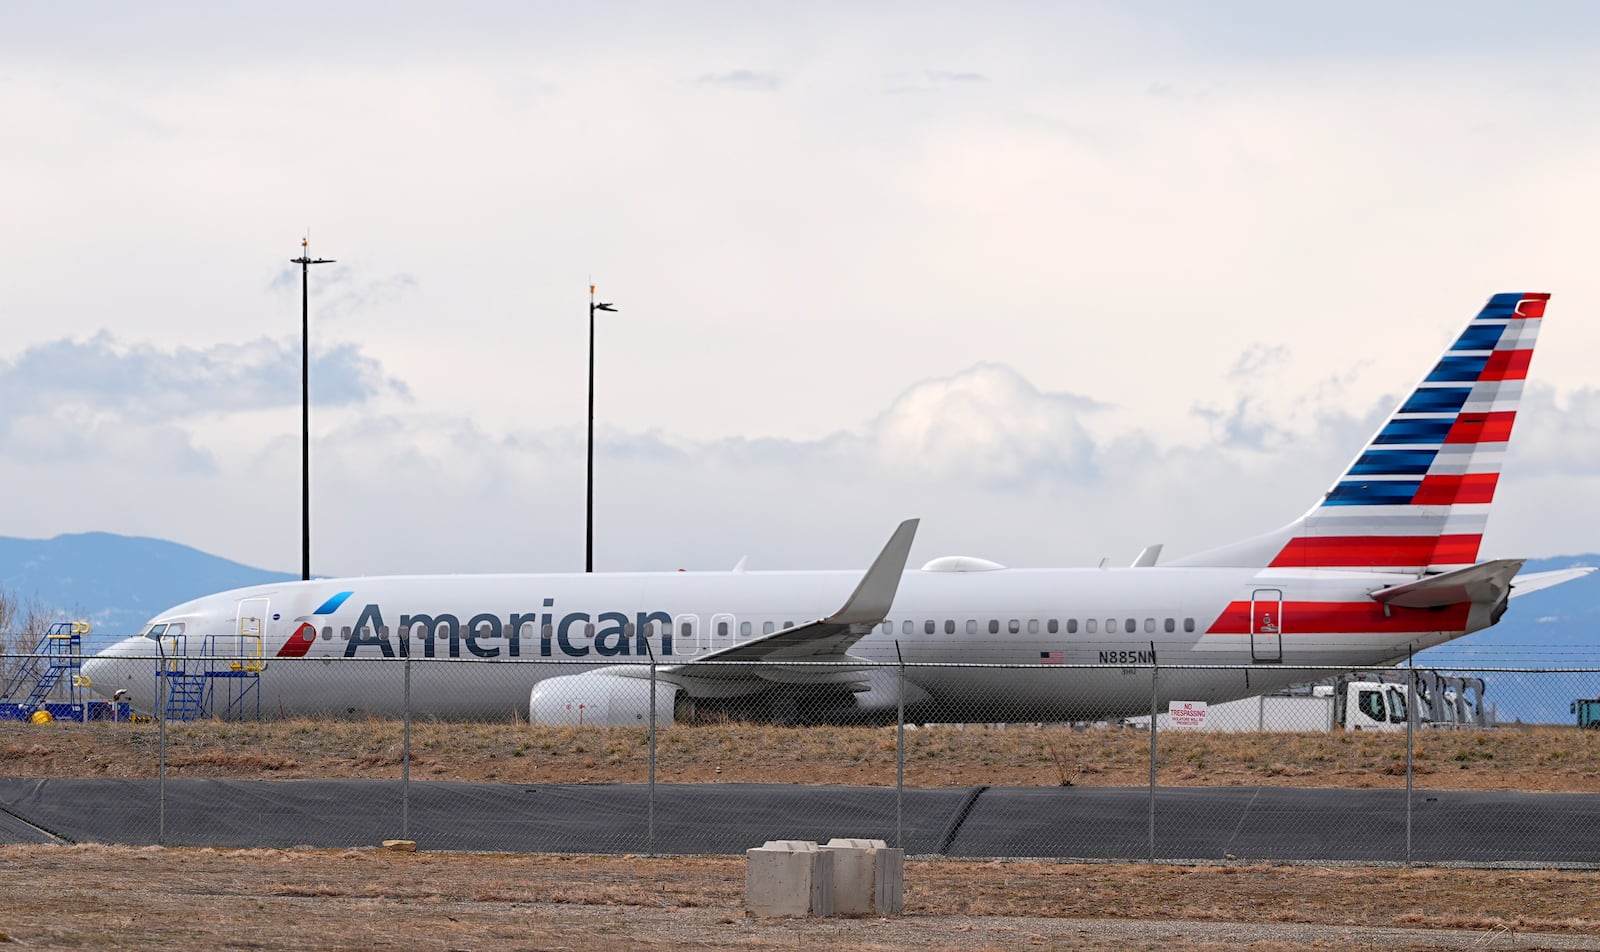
pixel 1082 823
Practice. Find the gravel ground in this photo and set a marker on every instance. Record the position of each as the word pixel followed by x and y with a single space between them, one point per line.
pixel 202 900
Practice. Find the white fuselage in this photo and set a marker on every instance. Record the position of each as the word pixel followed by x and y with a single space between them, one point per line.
pixel 1057 644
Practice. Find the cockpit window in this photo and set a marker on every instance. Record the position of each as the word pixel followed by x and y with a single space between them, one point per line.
pixel 175 630
pixel 155 631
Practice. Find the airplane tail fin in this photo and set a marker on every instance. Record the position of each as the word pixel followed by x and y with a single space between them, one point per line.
pixel 1416 499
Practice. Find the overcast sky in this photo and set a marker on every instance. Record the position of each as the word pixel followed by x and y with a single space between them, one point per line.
pixel 1063 279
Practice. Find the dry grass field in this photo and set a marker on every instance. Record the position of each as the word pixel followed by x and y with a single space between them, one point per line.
pixel 201 899
pixel 1551 759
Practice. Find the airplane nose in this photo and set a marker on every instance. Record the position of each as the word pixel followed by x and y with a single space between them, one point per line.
pixel 125 665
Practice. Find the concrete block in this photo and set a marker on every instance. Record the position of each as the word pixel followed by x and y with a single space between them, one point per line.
pixel 788 878
pixel 868 877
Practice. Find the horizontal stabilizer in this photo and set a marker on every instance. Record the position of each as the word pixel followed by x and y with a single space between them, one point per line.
pixel 1532 582
pixel 1486 583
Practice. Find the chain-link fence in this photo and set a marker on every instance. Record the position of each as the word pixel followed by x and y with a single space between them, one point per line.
pixel 1114 762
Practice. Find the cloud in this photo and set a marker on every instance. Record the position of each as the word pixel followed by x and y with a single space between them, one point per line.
pixel 341 290
pixel 746 80
pixel 989 425
pixel 145 382
pixel 994 465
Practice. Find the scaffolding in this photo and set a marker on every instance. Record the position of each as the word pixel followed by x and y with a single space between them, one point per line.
pixel 222 681
pixel 50 684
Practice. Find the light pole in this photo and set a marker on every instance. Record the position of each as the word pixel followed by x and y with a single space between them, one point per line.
pixel 588 517
pixel 305 261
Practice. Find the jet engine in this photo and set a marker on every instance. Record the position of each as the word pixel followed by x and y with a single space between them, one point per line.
pixel 599 699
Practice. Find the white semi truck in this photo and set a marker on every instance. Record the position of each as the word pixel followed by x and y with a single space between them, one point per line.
pixel 1352 702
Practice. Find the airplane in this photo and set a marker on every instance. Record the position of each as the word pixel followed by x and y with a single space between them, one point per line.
pixel 1384 564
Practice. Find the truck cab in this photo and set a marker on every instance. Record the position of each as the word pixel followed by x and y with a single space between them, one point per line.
pixel 1372 706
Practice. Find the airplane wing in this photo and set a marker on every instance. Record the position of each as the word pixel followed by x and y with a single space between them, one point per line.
pixel 826 639
pixel 1486 583
pixel 1523 584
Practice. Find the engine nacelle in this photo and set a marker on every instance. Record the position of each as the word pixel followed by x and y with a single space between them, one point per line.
pixel 598 699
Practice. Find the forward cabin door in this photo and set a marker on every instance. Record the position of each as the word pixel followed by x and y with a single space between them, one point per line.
pixel 250 647
pixel 1266 626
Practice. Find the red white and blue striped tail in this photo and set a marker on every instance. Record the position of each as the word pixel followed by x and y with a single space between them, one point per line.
pixel 1416 500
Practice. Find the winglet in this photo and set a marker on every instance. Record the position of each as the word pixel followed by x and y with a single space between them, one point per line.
pixel 1147 557
pixel 874 594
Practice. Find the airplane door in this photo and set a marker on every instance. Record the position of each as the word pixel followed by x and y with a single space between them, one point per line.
pixel 687 641
pixel 1266 625
pixel 251 633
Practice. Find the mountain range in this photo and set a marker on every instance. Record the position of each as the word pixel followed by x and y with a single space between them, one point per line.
pixel 118 582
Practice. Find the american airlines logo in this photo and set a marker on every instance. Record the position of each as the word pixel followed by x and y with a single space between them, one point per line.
pixel 487 635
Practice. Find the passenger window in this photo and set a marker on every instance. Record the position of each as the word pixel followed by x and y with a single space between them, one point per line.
pixel 344 633
pixel 1149 626
pixel 929 626
pixel 685 630
pixel 546 633
pixel 788 624
pixel 888 627
pixel 722 629
pixel 588 630
pixel 972 626
pixel 1170 626
pixel 767 627
pixel 1111 626
pixel 1090 627
pixel 1033 626
pixel 906 627
pixel 949 626
pixel 994 626
pixel 627 629
pixel 1013 626
pixel 327 632
pixel 1072 626
pixel 744 629
pixel 1130 626
pixel 1188 624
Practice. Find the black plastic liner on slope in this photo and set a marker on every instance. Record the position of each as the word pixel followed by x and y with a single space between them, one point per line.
pixel 1112 823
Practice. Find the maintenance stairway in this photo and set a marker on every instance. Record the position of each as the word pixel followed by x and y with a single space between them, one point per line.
pixel 223 680
pixel 50 684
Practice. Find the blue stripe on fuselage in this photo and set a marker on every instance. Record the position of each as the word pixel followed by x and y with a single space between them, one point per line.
pixel 332 605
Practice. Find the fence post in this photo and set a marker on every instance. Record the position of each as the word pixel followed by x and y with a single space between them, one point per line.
pixel 1154 677
pixel 900 752
pixel 405 748
pixel 650 799
pixel 161 763
pixel 1411 729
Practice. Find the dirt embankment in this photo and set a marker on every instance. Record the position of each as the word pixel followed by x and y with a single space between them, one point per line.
pixel 1550 759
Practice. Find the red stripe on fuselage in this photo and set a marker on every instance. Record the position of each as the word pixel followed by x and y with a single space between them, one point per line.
pixel 299 643
pixel 1317 618
pixel 1309 552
